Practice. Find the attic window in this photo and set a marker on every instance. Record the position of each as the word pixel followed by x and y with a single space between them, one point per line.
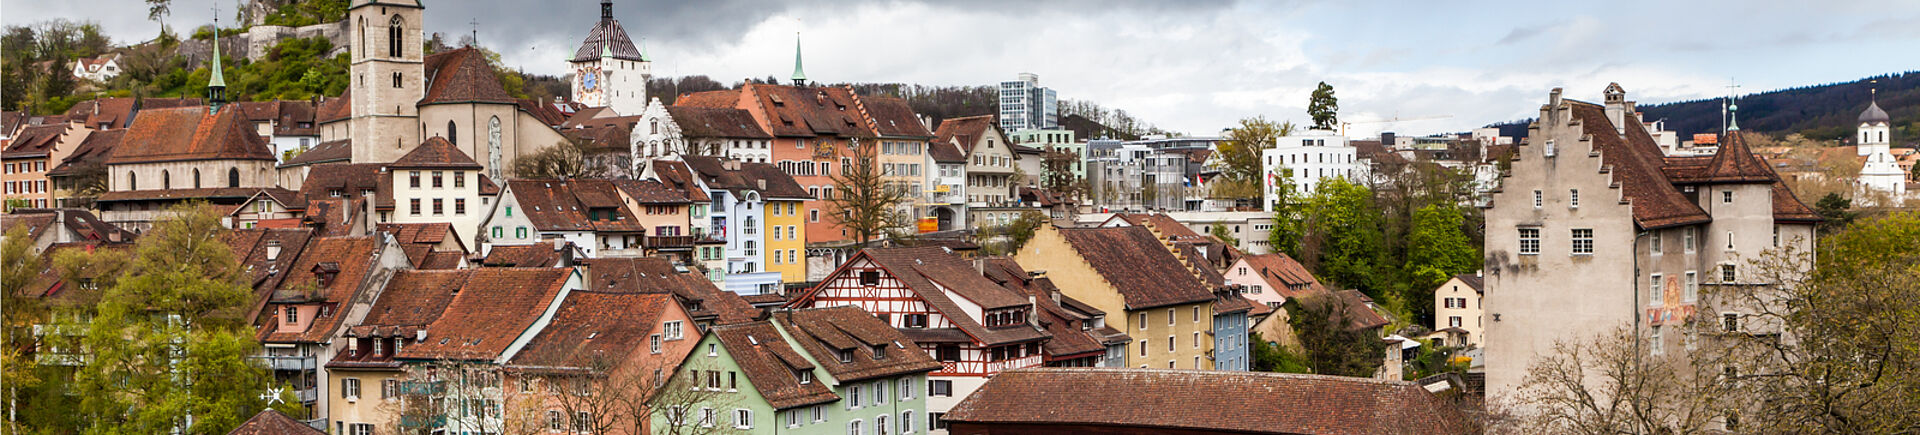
pixel 846 355
pixel 805 376
pixel 777 102
pixel 879 351
pixel 869 278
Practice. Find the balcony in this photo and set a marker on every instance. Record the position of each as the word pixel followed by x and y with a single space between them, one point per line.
pixel 670 242
pixel 308 395
pixel 1016 363
pixel 289 363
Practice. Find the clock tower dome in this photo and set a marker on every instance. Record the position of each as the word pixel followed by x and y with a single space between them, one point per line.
pixel 608 70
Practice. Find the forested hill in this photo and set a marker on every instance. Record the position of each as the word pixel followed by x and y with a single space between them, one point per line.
pixel 1823 112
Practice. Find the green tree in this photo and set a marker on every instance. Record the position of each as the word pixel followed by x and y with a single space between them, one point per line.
pixel 1339 235
pixel 1220 232
pixel 1244 172
pixel 1324 107
pixel 1837 210
pixel 1332 346
pixel 168 347
pixel 1436 250
pixel 1272 357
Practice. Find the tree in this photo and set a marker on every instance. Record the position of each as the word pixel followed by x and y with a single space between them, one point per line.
pixel 1244 173
pixel 168 348
pixel 1058 165
pixel 1330 344
pixel 864 203
pixel 1273 357
pixel 1007 239
pixel 1437 249
pixel 1220 233
pixel 1324 107
pixel 1835 209
pixel 158 9
pixel 566 160
pixel 1830 344
pixel 1611 384
pixel 1339 235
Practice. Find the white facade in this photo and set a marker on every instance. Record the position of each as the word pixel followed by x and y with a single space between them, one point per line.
pixel 442 195
pixel 1306 160
pixel 99 69
pixel 1025 105
pixel 1881 172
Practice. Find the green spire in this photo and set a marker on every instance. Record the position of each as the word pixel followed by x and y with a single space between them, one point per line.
pixel 799 75
pixel 643 51
pixel 217 84
pixel 606 50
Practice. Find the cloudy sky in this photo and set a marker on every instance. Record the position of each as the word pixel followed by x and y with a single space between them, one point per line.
pixel 1197 66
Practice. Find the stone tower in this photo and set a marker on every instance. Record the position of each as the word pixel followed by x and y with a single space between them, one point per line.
pixel 608 70
pixel 387 79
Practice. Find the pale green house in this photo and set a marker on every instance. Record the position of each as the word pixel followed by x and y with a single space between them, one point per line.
pixel 1055 139
pixel 816 371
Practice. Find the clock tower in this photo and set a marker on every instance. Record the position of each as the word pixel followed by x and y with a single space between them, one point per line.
pixel 608 70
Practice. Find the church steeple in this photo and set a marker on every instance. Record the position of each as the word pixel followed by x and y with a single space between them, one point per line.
pixel 217 84
pixel 799 74
pixel 606 10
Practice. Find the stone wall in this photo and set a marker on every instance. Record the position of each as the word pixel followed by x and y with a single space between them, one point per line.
pixel 259 40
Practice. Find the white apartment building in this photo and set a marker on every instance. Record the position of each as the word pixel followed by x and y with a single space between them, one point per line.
pixel 1305 160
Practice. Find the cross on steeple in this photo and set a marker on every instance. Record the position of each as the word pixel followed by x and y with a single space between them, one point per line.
pixel 1730 108
pixel 476 30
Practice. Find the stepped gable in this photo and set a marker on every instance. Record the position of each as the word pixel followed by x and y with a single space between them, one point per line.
pixel 770 364
pixel 720 122
pixel 1143 270
pixel 436 153
pixel 1190 401
pixel 879 351
pixel 463 76
pixel 1636 169
pixel 595 331
pixel 190 133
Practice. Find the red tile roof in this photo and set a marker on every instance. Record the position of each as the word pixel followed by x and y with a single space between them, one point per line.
pixel 1192 400
pixel 349 259
pixel 652 192
pixel 546 113
pixel 710 122
pixel 892 117
pixel 963 131
pixel 336 108
pixel 597 331
pixel 749 176
pixel 941 279
pixel 679 177
pixel 190 133
pixel 1357 309
pixel 1635 161
pixel 1144 272
pixel 35 141
pixel 770 364
pixel 492 309
pixel 1283 275
pixel 825 332
pixel 215 193
pixel 92 153
pixel 271 422
pixel 333 151
pixel 1068 321
pixel 463 76
pixel 534 255
pixel 435 153
pixel 721 99
pixel 349 179
pixel 809 111
pixel 657 275
pixel 553 205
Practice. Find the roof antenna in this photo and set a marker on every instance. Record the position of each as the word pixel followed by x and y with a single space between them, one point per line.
pixel 476 32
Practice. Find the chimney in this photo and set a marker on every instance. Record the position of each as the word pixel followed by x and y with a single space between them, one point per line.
pixel 1032 314
pixel 1476 273
pixel 763 183
pixel 980 266
pixel 1055 295
pixel 1617 107
pixel 1553 98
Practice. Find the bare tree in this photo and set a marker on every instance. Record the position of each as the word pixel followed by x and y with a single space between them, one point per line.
pixel 454 396
pixel 566 160
pixel 681 402
pixel 863 202
pixel 1616 383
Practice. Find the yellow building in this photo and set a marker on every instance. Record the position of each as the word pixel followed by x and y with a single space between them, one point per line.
pixel 786 238
pixel 1168 309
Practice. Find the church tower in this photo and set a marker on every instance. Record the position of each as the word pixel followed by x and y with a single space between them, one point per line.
pixel 608 71
pixel 1881 171
pixel 387 78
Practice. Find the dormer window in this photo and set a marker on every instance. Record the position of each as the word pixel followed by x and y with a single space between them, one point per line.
pixel 377 346
pixel 846 355
pixel 292 315
pixel 805 376
pixel 879 351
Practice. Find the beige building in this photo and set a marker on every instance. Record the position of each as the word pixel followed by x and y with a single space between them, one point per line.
pixel 175 155
pixel 1133 275
pixel 1592 228
pixel 1457 312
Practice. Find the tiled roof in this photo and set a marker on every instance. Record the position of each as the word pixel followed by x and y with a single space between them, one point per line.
pixel 12 119
pixel 892 117
pixel 414 299
pixel 418 240
pixel 1192 400
pixel 546 113
pixel 436 153
pixel 963 131
pixel 1161 222
pixel 1065 324
pixel 333 151
pixel 722 99
pixel 350 179
pixel 1635 161
pixel 442 260
pixel 271 422
pixel 609 38
pixel 1282 274
pixel 1476 281
pixel 349 259
pixel 657 275
pixel 679 176
pixel 705 122
pixel 596 330
pixel 1733 162
pixel 1358 314
pixel 115 113
pixel 809 111
pixel 1144 272
pixel 250 249
pixel 92 152
pixel 825 332
pixel 215 193
pixel 190 133
pixel 35 141
pixel 534 255
pixel 652 192
pixel 494 307
pixel 939 278
pixel 335 109
pixel 286 116
pixel 463 76
pixel 714 172
pixel 553 205
pixel 944 151
pixel 770 363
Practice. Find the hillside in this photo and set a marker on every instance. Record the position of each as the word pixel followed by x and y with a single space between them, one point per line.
pixel 1825 112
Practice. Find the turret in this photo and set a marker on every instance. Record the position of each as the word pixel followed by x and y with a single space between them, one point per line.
pixel 217 83
pixel 799 74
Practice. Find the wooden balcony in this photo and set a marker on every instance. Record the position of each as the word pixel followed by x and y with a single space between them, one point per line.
pixel 669 242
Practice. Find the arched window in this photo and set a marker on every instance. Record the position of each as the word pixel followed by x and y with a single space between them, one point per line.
pixel 362 51
pixel 396 38
pixel 233 177
pixel 132 183
pixel 166 179
pixel 453 133
pixel 196 178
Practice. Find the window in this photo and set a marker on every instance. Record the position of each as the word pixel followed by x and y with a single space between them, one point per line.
pixel 437 209
pixel 1656 294
pixel 853 396
pixel 1727 273
pixel 459 179
pixel 914 320
pixel 1730 322
pixel 819 413
pixel 499 232
pixel 554 422
pixel 413 179
pixel 360 429
pixel 413 206
pixel 350 388
pixel 437 177
pixel 1196 340
pixel 906 421
pixel 1726 197
pixel 396 37
pixel 805 376
pixel 459 206
pixel 1169 343
pixel 672 330
pixel 1549 149
pixel 653 344
pixel 906 389
pixel 1529 241
pixel 935 421
pixel 1686 240
pixel 1453 321
pixel 793 418
pixel 518 232
pixel 1196 314
pixel 1143 321
pixel 880 424
pixel 1655 345
pixel 1582 241
pixel 1654 243
pixel 853 428
pixel 1538 200
pixel 1573 198
pixel 583 422
pixel 879 392
pixel 713 349
pixel 1170 314
pixel 292 315
pixel 1691 290
pixel 233 176
pixel 742 419
pixel 706 417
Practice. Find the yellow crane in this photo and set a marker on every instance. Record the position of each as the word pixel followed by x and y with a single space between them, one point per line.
pixel 1395 118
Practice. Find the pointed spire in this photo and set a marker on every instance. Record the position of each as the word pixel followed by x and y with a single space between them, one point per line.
pixel 1733 116
pixel 644 57
pixel 799 75
pixel 217 84
pixel 606 51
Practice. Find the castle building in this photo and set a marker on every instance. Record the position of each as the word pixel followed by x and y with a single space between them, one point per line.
pixel 608 71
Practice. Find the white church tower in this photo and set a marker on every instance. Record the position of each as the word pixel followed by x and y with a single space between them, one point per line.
pixel 1882 171
pixel 608 71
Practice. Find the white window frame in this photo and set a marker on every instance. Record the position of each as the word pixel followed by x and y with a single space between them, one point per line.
pixel 1574 245
pixel 742 418
pixel 1523 240
pixel 1656 291
pixel 1573 198
pixel 1691 291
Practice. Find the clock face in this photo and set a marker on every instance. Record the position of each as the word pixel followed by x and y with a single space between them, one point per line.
pixel 590 80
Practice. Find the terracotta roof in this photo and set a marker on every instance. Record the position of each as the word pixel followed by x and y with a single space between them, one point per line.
pixel 652 192
pixel 657 275
pixel 679 177
pixel 271 422
pixel 336 108
pixel 1192 400
pixel 419 240
pixel 11 120
pixel 1144 272
pixel 553 205
pixel 714 172
pixel 723 99
pixel 1733 162
pixel 190 133
pixel 963 132
pixel 534 255
pixel 944 151
pixel 809 111
pixel 436 153
pixel 1161 222
pixel 414 299
pixel 607 134
pixel 463 76
pixel 879 351
pixel 594 330
pixel 348 259
pixel 705 122
pixel 943 280
pixel 892 117
pixel 493 308
pixel 442 260
pixel 286 116
pixel 1283 275
pixel 609 38
pixel 546 113
pixel 770 363
pixel 250 249
pixel 1635 161
pixel 1358 314
pixel 217 193
pixel 35 141
pixel 349 179
pixel 1068 321
pixel 1477 282
pixel 333 151
pixel 92 152
pixel 115 113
